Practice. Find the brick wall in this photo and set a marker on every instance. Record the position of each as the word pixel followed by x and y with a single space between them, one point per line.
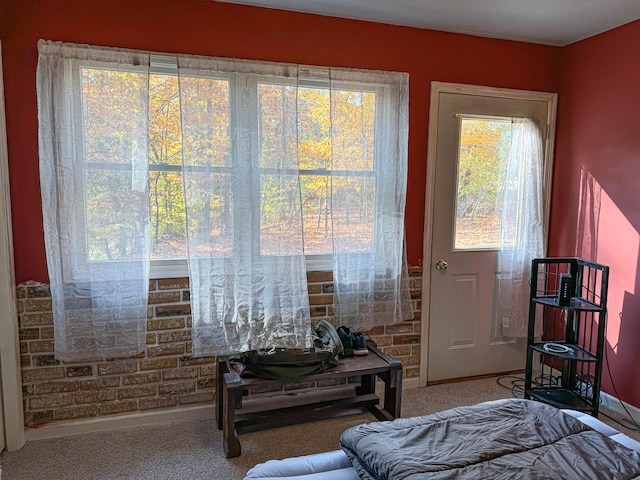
pixel 166 375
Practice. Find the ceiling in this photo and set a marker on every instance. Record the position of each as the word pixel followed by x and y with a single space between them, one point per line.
pixel 549 22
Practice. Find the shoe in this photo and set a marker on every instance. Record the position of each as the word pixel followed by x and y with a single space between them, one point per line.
pixel 347 341
pixel 359 344
pixel 330 338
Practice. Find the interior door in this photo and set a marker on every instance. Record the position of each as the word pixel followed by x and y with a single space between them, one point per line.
pixel 472 138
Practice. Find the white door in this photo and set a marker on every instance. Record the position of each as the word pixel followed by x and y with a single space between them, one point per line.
pixel 471 130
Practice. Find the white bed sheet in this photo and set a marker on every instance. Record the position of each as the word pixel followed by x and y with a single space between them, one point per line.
pixel 335 465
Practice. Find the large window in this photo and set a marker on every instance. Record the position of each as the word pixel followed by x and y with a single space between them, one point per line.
pixel 333 153
pixel 244 169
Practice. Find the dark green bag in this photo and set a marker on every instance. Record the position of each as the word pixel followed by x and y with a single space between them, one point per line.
pixel 292 363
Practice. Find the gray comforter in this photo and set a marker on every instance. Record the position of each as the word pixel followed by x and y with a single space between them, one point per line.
pixel 505 439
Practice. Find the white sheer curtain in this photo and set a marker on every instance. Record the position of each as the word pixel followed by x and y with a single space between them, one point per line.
pixel 368 197
pixel 95 199
pixel 522 236
pixel 243 202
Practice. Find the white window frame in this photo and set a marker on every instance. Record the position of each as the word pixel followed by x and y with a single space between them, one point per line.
pixel 165 65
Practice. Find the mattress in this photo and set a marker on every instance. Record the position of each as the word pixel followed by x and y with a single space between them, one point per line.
pixel 447 446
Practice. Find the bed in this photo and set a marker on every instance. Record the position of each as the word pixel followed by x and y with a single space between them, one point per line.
pixel 502 439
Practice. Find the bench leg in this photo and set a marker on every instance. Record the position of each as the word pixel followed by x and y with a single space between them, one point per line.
pixel 393 391
pixel 230 438
pixel 219 397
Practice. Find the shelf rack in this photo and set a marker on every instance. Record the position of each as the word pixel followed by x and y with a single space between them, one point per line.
pixel 572 344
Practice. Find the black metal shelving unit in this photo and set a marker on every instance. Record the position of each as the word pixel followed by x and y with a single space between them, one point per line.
pixel 572 344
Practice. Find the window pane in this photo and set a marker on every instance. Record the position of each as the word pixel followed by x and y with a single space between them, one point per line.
pixel 113 108
pixel 207 151
pixel 168 239
pixel 114 123
pixel 316 210
pixel 210 217
pixel 353 200
pixel 277 121
pixel 483 153
pixel 112 232
pixel 351 218
pixel 280 222
pixel 353 117
pixel 206 124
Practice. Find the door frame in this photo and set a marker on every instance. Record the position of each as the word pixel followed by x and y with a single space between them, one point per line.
pixel 436 89
pixel 11 388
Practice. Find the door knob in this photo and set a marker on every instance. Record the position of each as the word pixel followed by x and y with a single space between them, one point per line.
pixel 441 265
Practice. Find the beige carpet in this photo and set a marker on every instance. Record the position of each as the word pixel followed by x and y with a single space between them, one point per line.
pixel 192 449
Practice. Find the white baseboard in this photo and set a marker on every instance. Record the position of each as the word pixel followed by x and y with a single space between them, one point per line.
pixel 102 424
pixel 612 403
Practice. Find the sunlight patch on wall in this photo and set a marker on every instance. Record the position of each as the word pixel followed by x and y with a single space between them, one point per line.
pixel 604 235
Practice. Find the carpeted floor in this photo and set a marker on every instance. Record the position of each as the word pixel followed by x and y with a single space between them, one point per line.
pixel 192 449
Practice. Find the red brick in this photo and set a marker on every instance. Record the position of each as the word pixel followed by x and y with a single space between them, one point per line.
pixel 379 330
pixel 201 397
pixel 29 333
pixel 40 290
pixel 174 336
pixel 99 383
pixel 173 310
pixel 158 363
pixel 178 373
pixel 117 407
pixel 117 367
pixel 209 369
pixel 40 305
pixel 166 349
pixel 139 378
pixel 412 372
pixel 38 418
pixel 204 383
pixel 398 351
pixel 406 339
pixel 411 360
pixel 42 374
pixel 51 401
pixel 84 411
pixel 41 346
pixel 35 319
pixel 80 371
pixel 45 361
pixel 164 297
pixel 318 311
pixel 137 391
pixel 174 388
pixel 320 299
pixel 384 341
pixel 95 397
pixel 317 277
pixel 165 324
pixel 149 403
pixel 46 333
pixel 56 387
pixel 404 327
pixel 173 283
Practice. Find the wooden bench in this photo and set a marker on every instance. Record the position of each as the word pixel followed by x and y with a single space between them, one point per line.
pixel 231 389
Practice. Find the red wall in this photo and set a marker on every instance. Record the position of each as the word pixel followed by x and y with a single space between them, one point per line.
pixel 219 29
pixel 596 197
